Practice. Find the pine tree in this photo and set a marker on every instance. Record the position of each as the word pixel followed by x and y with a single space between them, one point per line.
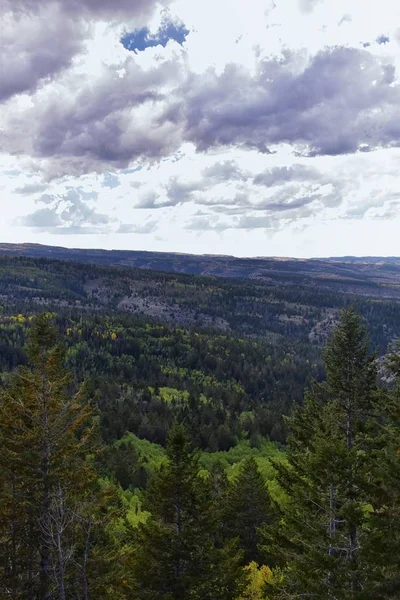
pixel 46 435
pixel 176 554
pixel 326 529
pixel 385 546
pixel 247 508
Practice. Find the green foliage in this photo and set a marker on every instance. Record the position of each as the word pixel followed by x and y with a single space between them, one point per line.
pixel 247 509
pixel 176 554
pixel 46 480
pixel 225 359
pixel 55 520
pixel 327 534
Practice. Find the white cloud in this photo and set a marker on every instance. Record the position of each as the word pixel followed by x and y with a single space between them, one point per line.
pixel 198 121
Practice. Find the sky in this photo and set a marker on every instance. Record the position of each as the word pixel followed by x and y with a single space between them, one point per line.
pixel 259 128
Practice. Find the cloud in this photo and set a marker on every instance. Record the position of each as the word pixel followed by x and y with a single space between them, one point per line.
pixel 34 50
pixel 148 227
pixel 254 222
pixel 225 172
pixel 238 203
pixel 40 38
pixel 345 19
pixel 43 218
pixel 329 105
pixel 340 101
pixel 181 191
pixel 201 224
pixel 308 6
pixel 148 199
pixel 31 188
pixel 90 9
pixel 67 213
pixel 280 175
pixel 288 205
pixel 86 126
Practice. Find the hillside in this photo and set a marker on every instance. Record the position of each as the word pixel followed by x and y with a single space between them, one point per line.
pixel 229 354
pixel 374 277
pixel 284 307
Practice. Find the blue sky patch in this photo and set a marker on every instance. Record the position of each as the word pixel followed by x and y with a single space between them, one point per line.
pixel 383 39
pixel 110 181
pixel 133 170
pixel 140 39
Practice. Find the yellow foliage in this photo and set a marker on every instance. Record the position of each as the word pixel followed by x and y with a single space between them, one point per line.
pixel 257 579
pixel 18 318
pixel 114 336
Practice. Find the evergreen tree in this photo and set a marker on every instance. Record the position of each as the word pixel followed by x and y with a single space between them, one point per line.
pixel 328 526
pixel 385 547
pixel 176 554
pixel 247 508
pixel 45 478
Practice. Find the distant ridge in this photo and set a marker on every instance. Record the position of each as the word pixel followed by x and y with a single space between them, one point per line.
pixel 372 276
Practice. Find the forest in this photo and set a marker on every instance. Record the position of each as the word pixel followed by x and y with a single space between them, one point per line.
pixel 214 450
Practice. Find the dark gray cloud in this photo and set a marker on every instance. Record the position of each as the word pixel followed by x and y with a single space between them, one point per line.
pixel 34 50
pixel 69 213
pixel 90 9
pixel 39 38
pixel 340 99
pixel 99 124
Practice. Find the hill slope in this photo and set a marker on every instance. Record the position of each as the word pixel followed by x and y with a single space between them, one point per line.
pixel 227 355
pixel 375 277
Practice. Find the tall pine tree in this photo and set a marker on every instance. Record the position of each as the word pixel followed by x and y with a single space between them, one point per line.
pixel 177 557
pixel 46 434
pixel 247 508
pixel 327 528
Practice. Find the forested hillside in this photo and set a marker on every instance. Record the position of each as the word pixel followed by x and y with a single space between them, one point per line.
pixel 284 307
pixel 227 357
pixel 87 512
pixel 111 374
pixel 369 276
